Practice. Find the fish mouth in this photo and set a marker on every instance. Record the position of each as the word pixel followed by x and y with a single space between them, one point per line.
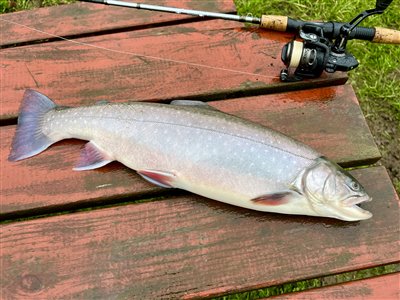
pixel 350 211
pixel 354 200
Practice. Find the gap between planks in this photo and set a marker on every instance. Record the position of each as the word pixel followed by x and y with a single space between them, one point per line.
pixel 313 286
pixel 383 286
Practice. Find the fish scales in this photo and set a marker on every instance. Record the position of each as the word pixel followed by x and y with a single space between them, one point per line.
pixel 190 145
pixel 195 141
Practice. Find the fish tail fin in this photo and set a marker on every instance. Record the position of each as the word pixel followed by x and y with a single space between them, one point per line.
pixel 29 138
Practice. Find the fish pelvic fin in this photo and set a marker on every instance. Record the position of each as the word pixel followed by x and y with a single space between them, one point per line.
pixel 92 157
pixel 29 139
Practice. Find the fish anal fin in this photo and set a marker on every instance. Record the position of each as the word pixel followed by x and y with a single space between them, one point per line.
pixel 194 103
pixel 274 199
pixel 160 178
pixel 92 157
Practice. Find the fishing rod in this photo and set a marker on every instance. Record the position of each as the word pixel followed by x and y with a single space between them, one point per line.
pixel 322 46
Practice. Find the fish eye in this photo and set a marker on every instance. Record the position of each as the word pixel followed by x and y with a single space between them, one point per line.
pixel 354 186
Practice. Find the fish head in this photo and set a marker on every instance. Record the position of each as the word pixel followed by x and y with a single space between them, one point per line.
pixel 333 192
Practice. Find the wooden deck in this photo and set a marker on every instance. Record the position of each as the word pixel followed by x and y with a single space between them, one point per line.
pixel 107 233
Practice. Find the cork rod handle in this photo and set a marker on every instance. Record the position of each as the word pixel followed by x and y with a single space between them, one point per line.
pixel 386 36
pixel 278 23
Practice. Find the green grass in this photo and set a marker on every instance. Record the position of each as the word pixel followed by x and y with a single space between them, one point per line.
pixel 7 6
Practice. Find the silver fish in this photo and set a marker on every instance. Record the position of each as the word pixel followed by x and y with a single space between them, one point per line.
pixel 191 146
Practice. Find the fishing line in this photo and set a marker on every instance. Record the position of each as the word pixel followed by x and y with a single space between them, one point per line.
pixel 138 54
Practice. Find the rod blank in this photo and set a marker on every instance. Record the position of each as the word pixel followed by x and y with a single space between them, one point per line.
pixel 197 13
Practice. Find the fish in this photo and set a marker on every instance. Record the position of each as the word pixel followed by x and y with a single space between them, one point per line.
pixel 192 146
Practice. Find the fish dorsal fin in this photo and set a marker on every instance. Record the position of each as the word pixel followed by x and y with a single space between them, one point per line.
pixel 92 157
pixel 195 103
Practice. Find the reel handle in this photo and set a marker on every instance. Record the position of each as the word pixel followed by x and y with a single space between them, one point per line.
pixel 332 29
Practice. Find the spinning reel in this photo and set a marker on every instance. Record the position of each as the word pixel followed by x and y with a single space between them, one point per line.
pixel 318 51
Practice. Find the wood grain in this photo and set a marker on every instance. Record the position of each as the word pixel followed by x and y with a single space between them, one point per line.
pixel 209 60
pixel 386 287
pixel 189 247
pixel 81 19
pixel 328 119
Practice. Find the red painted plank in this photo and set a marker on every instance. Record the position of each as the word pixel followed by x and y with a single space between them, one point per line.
pixel 191 247
pixel 85 18
pixel 47 180
pixel 224 60
pixel 382 287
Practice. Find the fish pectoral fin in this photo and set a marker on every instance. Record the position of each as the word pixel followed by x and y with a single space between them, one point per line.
pixel 275 199
pixel 92 157
pixel 199 104
pixel 161 178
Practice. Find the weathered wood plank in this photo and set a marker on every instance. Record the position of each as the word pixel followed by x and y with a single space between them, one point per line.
pixel 87 18
pixel 328 119
pixel 382 287
pixel 191 247
pixel 224 61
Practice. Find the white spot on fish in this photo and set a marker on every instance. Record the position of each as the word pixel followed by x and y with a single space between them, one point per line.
pixel 103 185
